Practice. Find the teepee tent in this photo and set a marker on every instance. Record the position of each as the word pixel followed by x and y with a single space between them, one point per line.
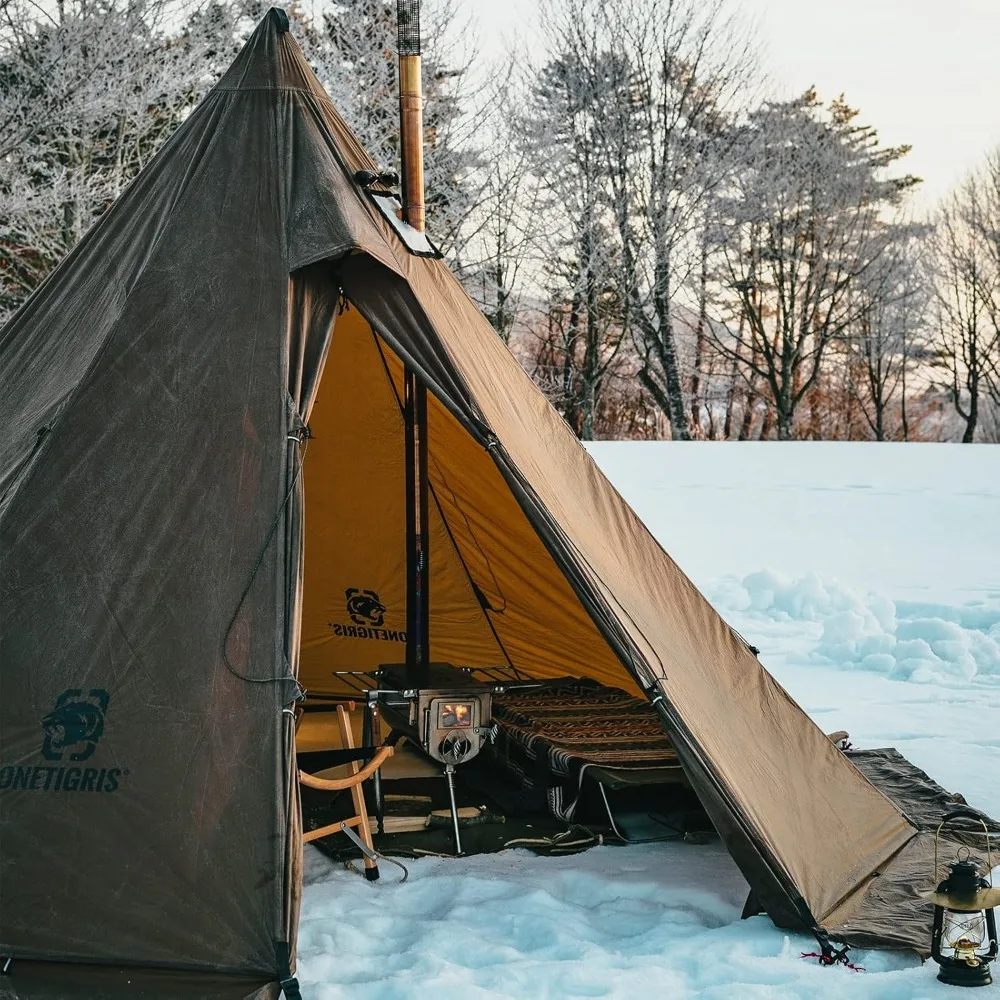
pixel 202 453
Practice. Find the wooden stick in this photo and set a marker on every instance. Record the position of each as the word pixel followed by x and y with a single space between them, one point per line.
pixel 325 831
pixel 357 792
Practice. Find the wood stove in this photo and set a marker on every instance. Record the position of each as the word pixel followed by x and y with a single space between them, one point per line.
pixel 448 716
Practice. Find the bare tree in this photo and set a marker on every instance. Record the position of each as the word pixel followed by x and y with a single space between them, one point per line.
pixel 967 254
pixel 887 340
pixel 635 102
pixel 805 222
pixel 504 229
pixel 670 140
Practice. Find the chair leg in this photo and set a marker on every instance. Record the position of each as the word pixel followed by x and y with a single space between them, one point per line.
pixel 358 795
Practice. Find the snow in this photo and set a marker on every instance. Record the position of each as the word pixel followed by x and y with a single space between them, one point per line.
pixel 869 577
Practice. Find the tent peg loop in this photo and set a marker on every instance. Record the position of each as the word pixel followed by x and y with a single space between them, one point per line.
pixel 828 955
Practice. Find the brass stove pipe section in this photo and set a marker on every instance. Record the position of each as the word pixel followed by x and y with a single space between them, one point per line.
pixel 411 112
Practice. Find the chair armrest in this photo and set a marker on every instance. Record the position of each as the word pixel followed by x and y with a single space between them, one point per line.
pixel 337 784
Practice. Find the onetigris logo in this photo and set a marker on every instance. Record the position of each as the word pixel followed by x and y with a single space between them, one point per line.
pixel 76 724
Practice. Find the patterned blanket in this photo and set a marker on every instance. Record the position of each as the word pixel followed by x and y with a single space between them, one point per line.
pixel 549 736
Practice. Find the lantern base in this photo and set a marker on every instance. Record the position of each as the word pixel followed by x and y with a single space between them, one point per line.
pixel 961 974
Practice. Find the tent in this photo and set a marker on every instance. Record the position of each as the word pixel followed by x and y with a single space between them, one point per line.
pixel 201 459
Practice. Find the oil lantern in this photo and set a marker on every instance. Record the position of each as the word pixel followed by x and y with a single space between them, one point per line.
pixel 964 938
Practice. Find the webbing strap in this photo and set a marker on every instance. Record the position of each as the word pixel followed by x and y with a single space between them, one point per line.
pixel 289 984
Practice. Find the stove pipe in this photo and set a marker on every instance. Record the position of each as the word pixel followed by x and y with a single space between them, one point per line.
pixel 411 111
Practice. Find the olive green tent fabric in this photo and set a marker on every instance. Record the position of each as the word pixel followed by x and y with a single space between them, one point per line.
pixel 175 552
pixel 48 980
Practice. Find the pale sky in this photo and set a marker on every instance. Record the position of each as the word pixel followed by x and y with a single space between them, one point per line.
pixel 924 73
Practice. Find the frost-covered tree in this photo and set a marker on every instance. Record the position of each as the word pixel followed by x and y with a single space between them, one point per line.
pixel 967 314
pixel 351 45
pixel 888 340
pixel 692 68
pixel 805 222
pixel 626 125
pixel 565 131
pixel 88 92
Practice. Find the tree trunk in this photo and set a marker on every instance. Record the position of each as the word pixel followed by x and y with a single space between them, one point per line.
pixel 767 423
pixel 591 353
pixel 971 420
pixel 784 414
pixel 879 418
pixel 571 411
pixel 675 393
pixel 670 396
pixel 734 374
pixel 815 419
pixel 699 347
pixel 905 428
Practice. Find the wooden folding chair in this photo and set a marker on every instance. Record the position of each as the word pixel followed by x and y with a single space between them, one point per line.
pixel 353 781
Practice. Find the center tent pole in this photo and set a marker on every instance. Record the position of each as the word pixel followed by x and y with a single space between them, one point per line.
pixel 417 535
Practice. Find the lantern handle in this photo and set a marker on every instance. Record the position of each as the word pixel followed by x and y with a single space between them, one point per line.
pixel 964 814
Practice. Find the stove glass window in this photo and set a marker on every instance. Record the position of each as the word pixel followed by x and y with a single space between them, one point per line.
pixel 455 715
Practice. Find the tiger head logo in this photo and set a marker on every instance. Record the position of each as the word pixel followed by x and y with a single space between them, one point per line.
pixel 364 607
pixel 75 724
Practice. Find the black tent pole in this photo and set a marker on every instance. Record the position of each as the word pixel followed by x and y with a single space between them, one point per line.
pixel 423 538
pixel 417 541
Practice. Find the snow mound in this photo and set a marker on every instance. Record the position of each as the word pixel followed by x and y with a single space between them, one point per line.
pixel 865 631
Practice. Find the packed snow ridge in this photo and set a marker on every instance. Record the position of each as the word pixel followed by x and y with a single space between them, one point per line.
pixel 908 640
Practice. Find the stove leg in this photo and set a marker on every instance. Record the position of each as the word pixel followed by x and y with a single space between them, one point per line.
pixel 369 736
pixel 449 773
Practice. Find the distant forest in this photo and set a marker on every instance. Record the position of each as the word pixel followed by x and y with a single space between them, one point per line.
pixel 668 253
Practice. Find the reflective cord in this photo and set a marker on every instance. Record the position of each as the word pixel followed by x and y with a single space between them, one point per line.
pixel 301 438
pixel 828 955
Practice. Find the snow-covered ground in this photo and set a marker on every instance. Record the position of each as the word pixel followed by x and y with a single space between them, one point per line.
pixel 869 576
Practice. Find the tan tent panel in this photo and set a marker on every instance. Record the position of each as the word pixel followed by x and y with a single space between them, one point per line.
pixel 544 629
pixel 354 604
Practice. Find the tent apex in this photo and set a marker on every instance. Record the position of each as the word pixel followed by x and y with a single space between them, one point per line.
pixel 280 19
pixel 271 60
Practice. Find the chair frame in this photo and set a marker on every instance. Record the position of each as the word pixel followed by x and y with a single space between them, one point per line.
pixel 353 781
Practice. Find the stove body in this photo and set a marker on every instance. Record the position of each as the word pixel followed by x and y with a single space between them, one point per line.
pixel 449 719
